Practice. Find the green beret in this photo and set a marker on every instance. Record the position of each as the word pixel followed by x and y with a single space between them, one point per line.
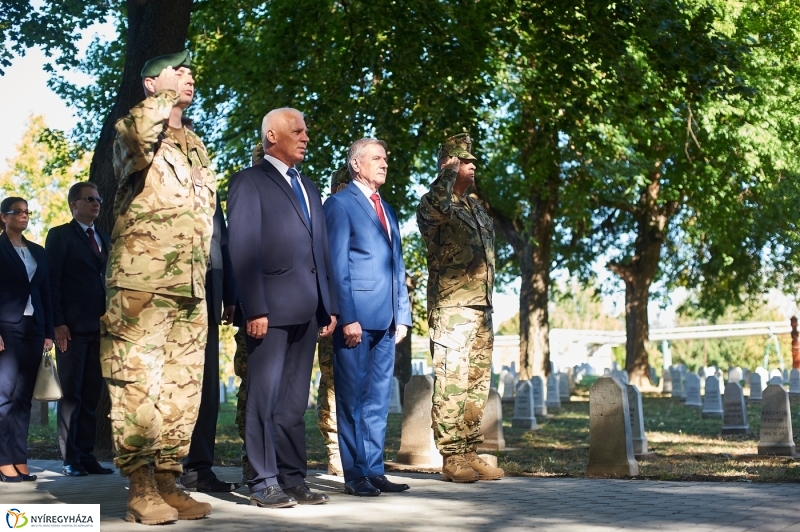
pixel 457 146
pixel 154 67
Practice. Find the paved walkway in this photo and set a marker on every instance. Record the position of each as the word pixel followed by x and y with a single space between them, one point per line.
pixel 511 504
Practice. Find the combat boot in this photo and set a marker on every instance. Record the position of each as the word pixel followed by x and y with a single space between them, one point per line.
pixel 456 469
pixel 334 463
pixel 180 500
pixel 145 505
pixel 486 471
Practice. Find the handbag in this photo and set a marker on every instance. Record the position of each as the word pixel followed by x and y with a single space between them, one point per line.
pixel 48 387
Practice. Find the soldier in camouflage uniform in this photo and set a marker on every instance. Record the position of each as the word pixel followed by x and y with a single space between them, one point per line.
pixel 460 239
pixel 154 332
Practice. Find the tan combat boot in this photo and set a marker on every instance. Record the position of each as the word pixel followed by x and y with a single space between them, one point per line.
pixel 334 462
pixel 486 471
pixel 180 500
pixel 145 505
pixel 456 469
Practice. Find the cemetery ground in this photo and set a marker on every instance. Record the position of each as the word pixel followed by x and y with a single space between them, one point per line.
pixel 687 447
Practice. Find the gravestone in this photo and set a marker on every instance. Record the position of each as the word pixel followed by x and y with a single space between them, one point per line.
pixel 638 437
pixel 775 373
pixel 492 424
pixel 621 375
pixel 677 384
pixel 537 389
pixel 553 401
pixel 794 383
pixel 610 441
pixel 524 416
pixel 417 446
pixel 666 382
pixel 693 397
pixel 734 418
pixel 764 377
pixel 777 379
pixel 222 398
pixel 312 404
pixel 735 374
pixel 712 402
pixel 785 375
pixel 718 375
pixel 508 387
pixel 501 382
pixel 776 423
pixel 746 376
pixel 653 376
pixel 563 387
pixel 755 387
pixel 394 399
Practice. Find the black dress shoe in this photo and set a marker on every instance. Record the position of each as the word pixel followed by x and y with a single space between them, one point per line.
pixel 10 478
pixel 211 485
pixel 74 471
pixel 386 485
pixel 94 468
pixel 305 495
pixel 272 497
pixel 25 476
pixel 361 487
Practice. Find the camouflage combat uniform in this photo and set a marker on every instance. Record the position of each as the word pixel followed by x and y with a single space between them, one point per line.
pixel 154 332
pixel 460 242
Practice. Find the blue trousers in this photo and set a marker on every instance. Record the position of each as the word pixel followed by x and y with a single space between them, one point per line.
pixel 363 383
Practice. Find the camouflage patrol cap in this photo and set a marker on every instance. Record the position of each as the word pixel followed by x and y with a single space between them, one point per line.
pixel 154 66
pixel 341 177
pixel 457 146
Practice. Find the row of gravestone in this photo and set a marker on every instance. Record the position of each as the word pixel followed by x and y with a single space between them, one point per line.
pixel 689 387
pixel 560 384
pixel 673 376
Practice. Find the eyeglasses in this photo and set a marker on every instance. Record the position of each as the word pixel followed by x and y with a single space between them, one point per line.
pixel 20 213
pixel 92 199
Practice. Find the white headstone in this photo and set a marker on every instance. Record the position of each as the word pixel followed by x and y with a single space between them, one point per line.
pixel 677 384
pixel 775 373
pixel 501 382
pixel 693 397
pixel 553 401
pixel 794 383
pixel 222 397
pixel 666 382
pixel 764 377
pixel 537 389
pixel 606 372
pixel 776 423
pixel 563 387
pixel 755 387
pixel 734 419
pixel 524 416
pixel 735 374
pixel 508 387
pixel 492 424
pixel 712 402
pixel 610 441
pixel 311 403
pixel 417 446
pixel 394 400
pixel 638 437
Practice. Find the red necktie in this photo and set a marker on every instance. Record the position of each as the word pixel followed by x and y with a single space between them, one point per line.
pixel 90 232
pixel 379 209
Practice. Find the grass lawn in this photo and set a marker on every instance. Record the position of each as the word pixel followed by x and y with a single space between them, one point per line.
pixel 687 446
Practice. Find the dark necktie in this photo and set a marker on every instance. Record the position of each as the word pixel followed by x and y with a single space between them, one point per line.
pixel 376 199
pixel 92 241
pixel 298 191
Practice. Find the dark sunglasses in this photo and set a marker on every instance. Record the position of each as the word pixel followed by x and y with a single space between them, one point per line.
pixel 92 199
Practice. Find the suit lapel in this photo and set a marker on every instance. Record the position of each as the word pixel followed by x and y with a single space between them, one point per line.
pixel 279 180
pixel 367 206
pixel 13 257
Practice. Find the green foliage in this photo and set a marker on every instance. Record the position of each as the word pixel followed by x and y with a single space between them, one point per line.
pixel 415 260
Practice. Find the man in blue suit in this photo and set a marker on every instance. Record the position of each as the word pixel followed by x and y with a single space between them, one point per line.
pixel 279 251
pixel 374 315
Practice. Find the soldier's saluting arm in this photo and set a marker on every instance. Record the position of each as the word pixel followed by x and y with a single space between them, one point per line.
pixel 436 207
pixel 139 132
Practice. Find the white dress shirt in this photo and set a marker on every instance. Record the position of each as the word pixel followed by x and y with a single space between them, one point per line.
pixel 96 237
pixel 30 267
pixel 368 193
pixel 282 168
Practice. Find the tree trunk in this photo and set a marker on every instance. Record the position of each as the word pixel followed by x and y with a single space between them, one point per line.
pixel 155 27
pixel 402 357
pixel 638 274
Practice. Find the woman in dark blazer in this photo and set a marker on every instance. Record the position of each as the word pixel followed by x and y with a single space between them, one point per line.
pixel 26 326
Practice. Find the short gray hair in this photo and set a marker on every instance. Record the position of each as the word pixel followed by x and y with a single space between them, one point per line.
pixel 356 151
pixel 269 121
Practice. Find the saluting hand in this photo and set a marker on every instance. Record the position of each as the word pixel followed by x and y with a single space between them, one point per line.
pixel 167 79
pixel 257 327
pixel 452 163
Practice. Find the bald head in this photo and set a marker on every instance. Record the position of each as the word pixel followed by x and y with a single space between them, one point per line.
pixel 284 135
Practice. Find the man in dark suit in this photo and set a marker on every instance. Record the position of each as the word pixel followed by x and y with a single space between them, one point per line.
pixel 77 254
pixel 374 315
pixel 220 289
pixel 279 250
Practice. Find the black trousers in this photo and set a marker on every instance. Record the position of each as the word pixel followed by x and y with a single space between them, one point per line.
pixel 81 383
pixel 201 451
pixel 278 380
pixel 19 363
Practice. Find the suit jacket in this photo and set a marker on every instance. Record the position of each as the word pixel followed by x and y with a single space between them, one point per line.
pixel 15 288
pixel 282 261
pixel 77 277
pixel 223 285
pixel 369 276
